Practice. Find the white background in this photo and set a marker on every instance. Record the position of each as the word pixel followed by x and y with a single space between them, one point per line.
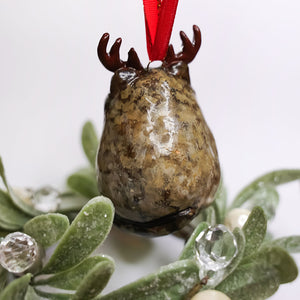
pixel 246 76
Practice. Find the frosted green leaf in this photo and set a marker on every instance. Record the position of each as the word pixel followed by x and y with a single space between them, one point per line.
pixel 19 203
pixel 270 179
pixel 71 278
pixel 71 202
pixel 240 240
pixel 275 257
pixel 250 282
pixel 9 214
pixel 3 278
pixel 84 183
pixel 254 230
pixel 2 173
pixel 95 281
pixel 267 198
pixel 219 203
pixel 47 229
pixel 16 289
pixel 89 142
pixel 291 243
pixel 88 230
pixel 53 296
pixel 173 281
pixel 31 294
pixel 189 250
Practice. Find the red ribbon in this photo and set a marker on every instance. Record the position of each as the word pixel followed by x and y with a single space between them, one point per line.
pixel 159 20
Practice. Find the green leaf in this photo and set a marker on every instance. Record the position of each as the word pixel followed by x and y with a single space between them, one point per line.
pixel 219 203
pixel 240 240
pixel 19 203
pixel 250 282
pixel 71 202
pixel 22 205
pixel 86 233
pixel 71 278
pixel 84 183
pixel 278 258
pixel 189 248
pixel 95 281
pixel 16 289
pixel 9 214
pixel 47 229
pixel 267 198
pixel 31 294
pixel 53 296
pixel 254 230
pixel 291 243
pixel 90 142
pixel 2 173
pixel 170 282
pixel 3 278
pixel 270 179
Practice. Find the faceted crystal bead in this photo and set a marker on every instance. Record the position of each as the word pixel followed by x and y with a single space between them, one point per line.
pixel 45 199
pixel 215 248
pixel 18 252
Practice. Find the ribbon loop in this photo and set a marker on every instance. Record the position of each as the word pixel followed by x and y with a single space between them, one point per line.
pixel 159 20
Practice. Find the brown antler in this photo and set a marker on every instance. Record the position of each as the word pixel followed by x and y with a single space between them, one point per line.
pixel 111 60
pixel 189 49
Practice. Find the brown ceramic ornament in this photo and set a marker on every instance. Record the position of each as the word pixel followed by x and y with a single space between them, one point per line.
pixel 157 160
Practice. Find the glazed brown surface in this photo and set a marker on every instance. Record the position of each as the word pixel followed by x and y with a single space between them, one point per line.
pixel 157 156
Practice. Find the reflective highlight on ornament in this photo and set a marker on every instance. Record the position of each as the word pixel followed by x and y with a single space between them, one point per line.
pixel 215 249
pixel 18 252
pixel 45 199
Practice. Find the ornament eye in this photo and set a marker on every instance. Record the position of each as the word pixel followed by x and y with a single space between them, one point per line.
pixel 111 60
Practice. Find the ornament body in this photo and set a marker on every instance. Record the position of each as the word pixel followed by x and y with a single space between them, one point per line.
pixel 157 159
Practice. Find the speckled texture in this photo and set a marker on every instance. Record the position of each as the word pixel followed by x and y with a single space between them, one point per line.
pixel 157 159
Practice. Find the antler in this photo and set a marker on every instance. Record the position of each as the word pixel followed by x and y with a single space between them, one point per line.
pixel 189 49
pixel 111 60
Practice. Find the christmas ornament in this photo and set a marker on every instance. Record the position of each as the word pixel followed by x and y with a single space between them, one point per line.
pixel 157 158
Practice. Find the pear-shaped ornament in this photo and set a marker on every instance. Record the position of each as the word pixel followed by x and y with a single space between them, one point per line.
pixel 157 159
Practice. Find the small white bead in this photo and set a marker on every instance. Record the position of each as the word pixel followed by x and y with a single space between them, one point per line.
pixel 210 295
pixel 237 217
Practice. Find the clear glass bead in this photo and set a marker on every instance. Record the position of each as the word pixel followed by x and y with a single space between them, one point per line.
pixel 45 199
pixel 215 248
pixel 18 252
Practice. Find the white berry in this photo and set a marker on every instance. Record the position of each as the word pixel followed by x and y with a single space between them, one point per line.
pixel 210 295
pixel 237 217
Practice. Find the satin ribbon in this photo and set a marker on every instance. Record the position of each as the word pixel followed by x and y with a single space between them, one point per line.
pixel 159 20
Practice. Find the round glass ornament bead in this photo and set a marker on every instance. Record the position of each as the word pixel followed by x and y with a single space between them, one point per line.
pixel 18 252
pixel 45 199
pixel 215 249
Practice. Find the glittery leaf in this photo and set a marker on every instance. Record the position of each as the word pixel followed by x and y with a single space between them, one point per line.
pixel 16 289
pixel 291 243
pixel 47 229
pixel 71 278
pixel 95 281
pixel 270 179
pixel 173 281
pixel 84 183
pixel 90 142
pixel 85 234
pixel 189 248
pixel 254 230
pixel 275 257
